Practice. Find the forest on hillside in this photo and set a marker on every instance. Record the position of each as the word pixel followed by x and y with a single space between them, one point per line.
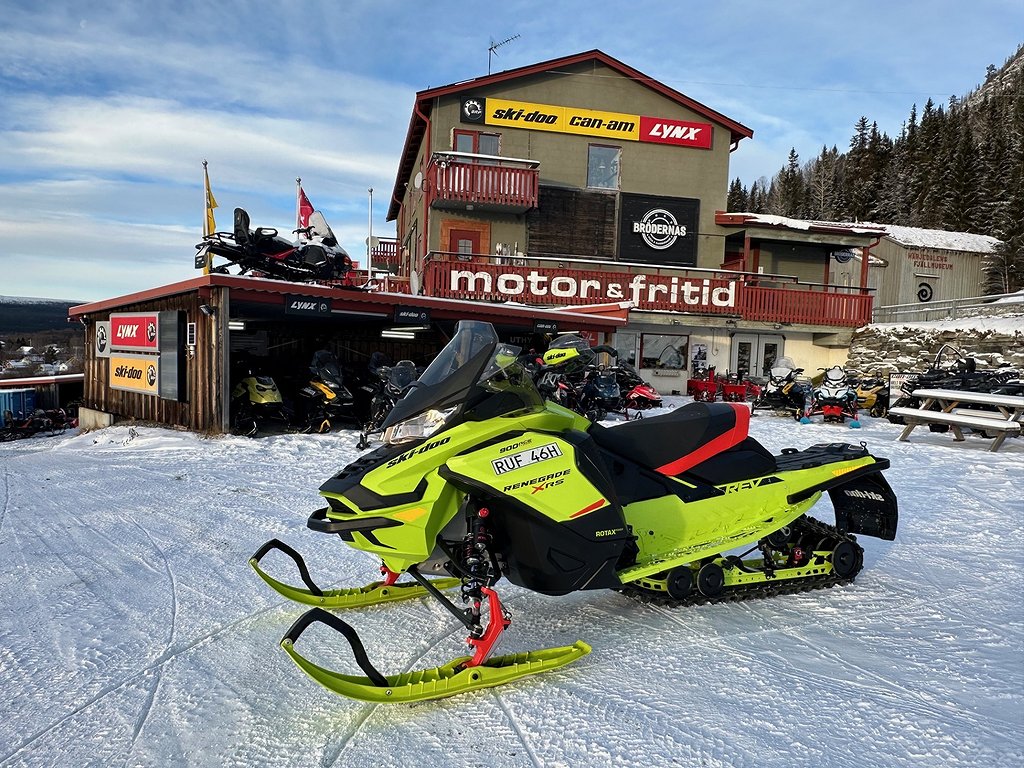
pixel 957 167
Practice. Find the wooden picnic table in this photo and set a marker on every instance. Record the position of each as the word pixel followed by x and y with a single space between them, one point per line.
pixel 958 409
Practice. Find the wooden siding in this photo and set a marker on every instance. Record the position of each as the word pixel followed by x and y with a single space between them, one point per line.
pixel 203 407
pixel 573 222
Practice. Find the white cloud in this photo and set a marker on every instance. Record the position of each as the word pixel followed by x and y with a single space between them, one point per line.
pixel 109 112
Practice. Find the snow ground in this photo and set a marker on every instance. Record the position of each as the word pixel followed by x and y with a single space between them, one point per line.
pixel 134 633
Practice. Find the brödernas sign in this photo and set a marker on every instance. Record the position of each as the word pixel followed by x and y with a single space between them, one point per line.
pixel 641 289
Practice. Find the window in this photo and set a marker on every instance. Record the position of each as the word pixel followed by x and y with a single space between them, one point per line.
pixel 476 143
pixel 603 167
pixel 665 351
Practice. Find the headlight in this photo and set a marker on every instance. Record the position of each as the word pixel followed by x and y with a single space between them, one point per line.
pixel 418 427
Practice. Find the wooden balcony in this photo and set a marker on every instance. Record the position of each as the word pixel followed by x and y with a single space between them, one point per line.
pixel 461 181
pixel 554 281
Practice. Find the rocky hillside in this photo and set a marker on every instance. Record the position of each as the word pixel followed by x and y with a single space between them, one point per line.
pixel 878 350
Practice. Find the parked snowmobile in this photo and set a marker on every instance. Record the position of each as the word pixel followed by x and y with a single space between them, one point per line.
pixel 263 252
pixel 41 421
pixel 256 400
pixel 393 381
pixel 325 400
pixel 835 399
pixel 481 478
pixel 873 396
pixel 785 391
pixel 638 396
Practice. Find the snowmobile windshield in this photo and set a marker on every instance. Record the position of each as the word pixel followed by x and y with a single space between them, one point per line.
pixel 318 227
pixel 325 366
pixel 782 368
pixel 474 376
pixel 402 374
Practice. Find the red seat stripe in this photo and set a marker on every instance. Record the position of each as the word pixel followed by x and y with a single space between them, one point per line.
pixel 723 442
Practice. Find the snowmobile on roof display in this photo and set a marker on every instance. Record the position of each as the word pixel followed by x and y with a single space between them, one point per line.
pixel 481 478
pixel 317 256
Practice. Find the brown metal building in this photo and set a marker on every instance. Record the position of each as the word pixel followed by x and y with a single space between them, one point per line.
pixel 181 371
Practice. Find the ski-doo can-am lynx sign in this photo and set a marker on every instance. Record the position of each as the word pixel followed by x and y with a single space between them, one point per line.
pixel 586 122
pixel 135 373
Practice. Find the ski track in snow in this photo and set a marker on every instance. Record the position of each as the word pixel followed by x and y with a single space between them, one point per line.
pixel 133 632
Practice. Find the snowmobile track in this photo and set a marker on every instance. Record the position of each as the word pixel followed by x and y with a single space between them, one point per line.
pixel 755 591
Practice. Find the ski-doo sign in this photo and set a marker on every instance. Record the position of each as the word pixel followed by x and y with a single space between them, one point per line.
pixel 135 332
pixel 135 373
pixel 412 316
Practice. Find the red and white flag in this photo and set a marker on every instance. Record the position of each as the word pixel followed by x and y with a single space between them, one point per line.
pixel 305 209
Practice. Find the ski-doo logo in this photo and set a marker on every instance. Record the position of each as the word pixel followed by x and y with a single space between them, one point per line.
pixel 537 483
pixel 151 332
pixel 128 372
pixel 417 451
pixel 101 339
pixel 151 375
pixel 870 495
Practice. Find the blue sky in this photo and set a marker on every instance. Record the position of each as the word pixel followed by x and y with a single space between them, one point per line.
pixel 109 109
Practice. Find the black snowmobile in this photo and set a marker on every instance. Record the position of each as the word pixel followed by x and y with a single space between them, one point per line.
pixel 261 252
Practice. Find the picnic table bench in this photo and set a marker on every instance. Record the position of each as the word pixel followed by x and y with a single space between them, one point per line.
pixel 958 409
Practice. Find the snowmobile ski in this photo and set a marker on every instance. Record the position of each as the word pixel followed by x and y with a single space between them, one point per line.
pixel 385 591
pixel 455 677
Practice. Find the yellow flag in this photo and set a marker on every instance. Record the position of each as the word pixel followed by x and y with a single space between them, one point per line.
pixel 210 225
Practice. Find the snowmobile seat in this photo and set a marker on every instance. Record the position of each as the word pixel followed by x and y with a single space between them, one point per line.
pixel 678 440
pixel 241 228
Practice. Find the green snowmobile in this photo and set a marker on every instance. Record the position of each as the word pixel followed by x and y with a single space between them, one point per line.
pixel 480 478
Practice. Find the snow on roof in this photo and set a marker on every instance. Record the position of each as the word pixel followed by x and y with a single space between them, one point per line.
pixel 768 219
pixel 940 239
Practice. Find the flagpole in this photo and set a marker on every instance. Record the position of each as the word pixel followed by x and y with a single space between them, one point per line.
pixel 298 213
pixel 206 217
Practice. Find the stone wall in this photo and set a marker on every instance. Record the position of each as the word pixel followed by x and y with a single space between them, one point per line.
pixel 878 350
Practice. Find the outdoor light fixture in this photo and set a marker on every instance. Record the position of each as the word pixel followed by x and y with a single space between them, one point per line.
pixel 389 333
pixel 207 310
pixel 236 325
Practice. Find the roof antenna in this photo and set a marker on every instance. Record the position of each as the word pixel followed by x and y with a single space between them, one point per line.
pixel 494 49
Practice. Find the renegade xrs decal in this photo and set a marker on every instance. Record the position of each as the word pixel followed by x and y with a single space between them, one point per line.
pixel 535 481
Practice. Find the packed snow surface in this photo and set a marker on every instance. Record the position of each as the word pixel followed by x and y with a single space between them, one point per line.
pixel 134 633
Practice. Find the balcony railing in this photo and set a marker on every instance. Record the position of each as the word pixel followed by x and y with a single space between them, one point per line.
pixel 563 281
pixel 385 253
pixel 483 182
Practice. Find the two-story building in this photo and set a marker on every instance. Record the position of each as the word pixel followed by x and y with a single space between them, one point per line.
pixel 581 181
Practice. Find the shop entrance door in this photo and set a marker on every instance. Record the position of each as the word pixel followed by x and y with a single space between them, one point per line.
pixel 754 354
